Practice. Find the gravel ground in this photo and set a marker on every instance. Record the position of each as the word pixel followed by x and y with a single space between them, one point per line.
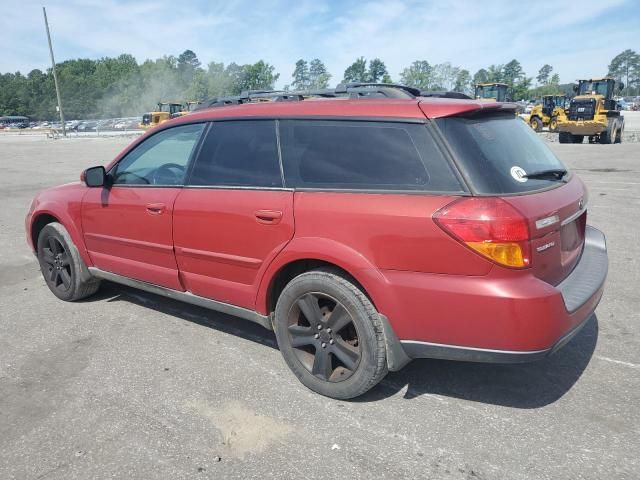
pixel 129 385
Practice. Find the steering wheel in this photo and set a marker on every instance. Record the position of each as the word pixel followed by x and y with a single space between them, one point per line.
pixel 163 171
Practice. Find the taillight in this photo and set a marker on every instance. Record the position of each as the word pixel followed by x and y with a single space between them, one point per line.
pixel 489 226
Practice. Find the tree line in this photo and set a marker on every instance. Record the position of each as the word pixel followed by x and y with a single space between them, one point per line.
pixel 120 86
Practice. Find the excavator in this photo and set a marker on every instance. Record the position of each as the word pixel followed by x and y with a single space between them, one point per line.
pixel 164 111
pixel 593 113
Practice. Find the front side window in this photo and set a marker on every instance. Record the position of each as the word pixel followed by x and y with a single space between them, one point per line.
pixel 159 160
pixel 239 154
pixel 363 155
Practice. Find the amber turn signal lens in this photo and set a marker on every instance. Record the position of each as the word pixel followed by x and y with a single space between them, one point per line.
pixel 509 254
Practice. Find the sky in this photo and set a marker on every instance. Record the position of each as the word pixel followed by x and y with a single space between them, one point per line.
pixel 578 38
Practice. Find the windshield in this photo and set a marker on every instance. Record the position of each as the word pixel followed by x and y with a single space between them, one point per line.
pixel 498 151
pixel 591 88
pixel 491 91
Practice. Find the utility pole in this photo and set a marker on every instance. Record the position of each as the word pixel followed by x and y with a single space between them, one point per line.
pixel 55 77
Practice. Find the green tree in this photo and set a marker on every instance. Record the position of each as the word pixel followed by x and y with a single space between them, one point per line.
pixel 495 73
pixel 377 71
pixel 463 82
pixel 301 78
pixel 481 76
pixel 356 72
pixel 512 73
pixel 626 66
pixel 543 74
pixel 258 76
pixel 318 75
pixel 417 75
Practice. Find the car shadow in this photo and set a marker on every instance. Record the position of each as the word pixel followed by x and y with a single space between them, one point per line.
pixel 113 292
pixel 525 386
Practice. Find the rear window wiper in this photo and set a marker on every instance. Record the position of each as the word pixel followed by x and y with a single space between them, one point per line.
pixel 552 174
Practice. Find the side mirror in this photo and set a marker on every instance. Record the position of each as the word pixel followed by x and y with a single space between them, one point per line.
pixel 575 88
pixel 620 86
pixel 94 176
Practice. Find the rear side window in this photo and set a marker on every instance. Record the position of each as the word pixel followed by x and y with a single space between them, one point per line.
pixel 239 153
pixel 497 150
pixel 363 155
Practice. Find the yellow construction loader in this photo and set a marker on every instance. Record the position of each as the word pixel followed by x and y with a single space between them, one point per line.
pixel 593 113
pixel 548 113
pixel 492 92
pixel 164 111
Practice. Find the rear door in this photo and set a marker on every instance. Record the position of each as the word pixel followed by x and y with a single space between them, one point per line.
pixel 233 216
pixel 497 152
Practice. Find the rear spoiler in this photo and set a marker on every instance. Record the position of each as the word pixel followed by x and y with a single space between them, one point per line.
pixel 432 108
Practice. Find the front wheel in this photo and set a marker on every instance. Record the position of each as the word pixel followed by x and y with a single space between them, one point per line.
pixel 536 124
pixel 553 124
pixel 330 335
pixel 62 267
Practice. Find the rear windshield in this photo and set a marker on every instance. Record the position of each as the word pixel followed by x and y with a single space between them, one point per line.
pixel 363 155
pixel 497 151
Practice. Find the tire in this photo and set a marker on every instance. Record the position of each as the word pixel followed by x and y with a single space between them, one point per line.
pixel 341 357
pixel 62 267
pixel 618 138
pixel 577 138
pixel 609 135
pixel 536 124
pixel 564 137
pixel 553 124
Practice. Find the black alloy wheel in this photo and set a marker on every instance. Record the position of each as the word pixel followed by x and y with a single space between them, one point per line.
pixel 62 267
pixel 58 273
pixel 330 334
pixel 324 337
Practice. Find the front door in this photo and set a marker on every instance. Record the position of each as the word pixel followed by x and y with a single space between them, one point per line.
pixel 233 216
pixel 128 225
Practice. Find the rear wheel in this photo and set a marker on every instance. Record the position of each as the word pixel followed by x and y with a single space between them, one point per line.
pixel 62 267
pixel 564 137
pixel 536 124
pixel 330 335
pixel 577 138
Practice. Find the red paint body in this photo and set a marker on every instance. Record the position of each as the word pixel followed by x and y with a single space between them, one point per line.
pixel 229 244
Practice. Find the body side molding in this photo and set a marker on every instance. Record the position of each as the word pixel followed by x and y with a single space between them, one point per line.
pixel 184 297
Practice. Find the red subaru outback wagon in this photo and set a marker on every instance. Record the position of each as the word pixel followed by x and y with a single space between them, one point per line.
pixel 367 226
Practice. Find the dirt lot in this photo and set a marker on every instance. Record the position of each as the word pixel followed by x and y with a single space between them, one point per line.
pixel 129 385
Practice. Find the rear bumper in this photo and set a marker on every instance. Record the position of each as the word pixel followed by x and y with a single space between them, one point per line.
pixel 506 320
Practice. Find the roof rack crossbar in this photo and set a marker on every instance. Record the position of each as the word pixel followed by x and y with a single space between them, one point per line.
pixel 376 87
pixel 351 90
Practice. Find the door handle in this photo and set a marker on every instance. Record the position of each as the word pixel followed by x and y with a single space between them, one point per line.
pixel 268 217
pixel 156 208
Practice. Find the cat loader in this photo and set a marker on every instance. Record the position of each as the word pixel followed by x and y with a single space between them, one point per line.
pixel 548 113
pixel 164 111
pixel 593 113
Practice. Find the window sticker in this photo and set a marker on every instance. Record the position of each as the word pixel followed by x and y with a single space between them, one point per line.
pixel 518 174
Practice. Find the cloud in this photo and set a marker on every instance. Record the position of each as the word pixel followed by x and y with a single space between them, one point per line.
pixel 577 38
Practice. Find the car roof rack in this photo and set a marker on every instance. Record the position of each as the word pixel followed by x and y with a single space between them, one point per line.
pixel 392 90
pixel 348 90
pixel 445 94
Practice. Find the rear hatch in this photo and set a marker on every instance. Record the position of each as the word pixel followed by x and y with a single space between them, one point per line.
pixel 498 154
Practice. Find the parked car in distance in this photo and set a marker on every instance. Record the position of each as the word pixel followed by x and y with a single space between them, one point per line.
pixel 424 228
